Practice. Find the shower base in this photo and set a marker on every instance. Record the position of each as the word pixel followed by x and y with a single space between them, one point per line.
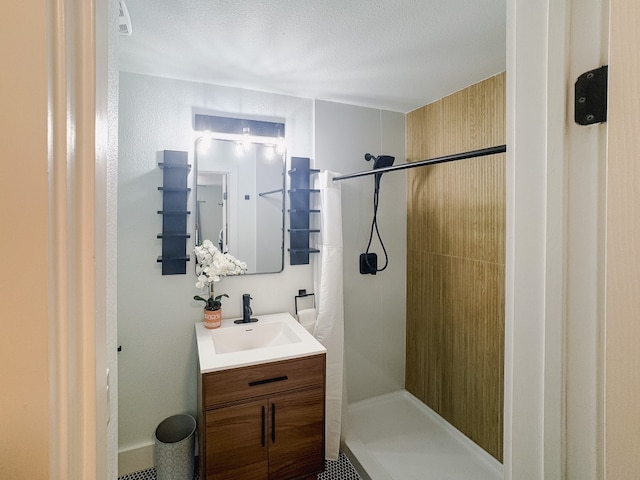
pixel 397 437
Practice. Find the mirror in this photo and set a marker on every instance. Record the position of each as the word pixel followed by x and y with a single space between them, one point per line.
pixel 240 200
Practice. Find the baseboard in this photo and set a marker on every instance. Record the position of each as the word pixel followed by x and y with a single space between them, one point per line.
pixel 135 459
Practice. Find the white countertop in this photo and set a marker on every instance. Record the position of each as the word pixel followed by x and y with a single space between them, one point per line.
pixel 211 361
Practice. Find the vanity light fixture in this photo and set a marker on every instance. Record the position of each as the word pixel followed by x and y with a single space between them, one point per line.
pixel 242 131
pixel 239 138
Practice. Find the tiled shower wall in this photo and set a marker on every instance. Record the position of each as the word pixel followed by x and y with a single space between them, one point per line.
pixel 456 262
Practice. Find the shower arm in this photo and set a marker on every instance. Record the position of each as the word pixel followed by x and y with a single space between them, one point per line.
pixel 423 163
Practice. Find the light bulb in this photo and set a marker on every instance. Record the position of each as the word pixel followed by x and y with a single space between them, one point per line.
pixel 204 145
pixel 246 140
pixel 269 152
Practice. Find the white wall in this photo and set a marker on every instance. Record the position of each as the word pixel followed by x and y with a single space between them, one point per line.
pixel 374 304
pixel 156 314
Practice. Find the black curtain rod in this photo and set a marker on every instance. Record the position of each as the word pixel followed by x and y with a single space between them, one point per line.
pixel 433 161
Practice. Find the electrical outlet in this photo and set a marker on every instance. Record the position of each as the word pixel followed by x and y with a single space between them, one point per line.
pixel 368 263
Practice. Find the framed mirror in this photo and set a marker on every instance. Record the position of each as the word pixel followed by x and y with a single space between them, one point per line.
pixel 239 186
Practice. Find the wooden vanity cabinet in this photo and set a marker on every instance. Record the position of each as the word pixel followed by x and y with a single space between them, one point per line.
pixel 264 421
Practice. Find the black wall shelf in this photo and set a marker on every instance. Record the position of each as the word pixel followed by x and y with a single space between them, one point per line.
pixel 175 192
pixel 304 250
pixel 169 235
pixel 164 165
pixel 174 189
pixel 300 210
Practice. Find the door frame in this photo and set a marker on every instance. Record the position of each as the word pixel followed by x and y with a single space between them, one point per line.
pixel 82 404
pixel 555 247
pixel 535 374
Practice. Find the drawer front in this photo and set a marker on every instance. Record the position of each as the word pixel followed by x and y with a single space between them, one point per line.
pixel 241 383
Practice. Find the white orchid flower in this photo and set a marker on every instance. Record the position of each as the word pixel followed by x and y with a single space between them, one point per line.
pixel 212 264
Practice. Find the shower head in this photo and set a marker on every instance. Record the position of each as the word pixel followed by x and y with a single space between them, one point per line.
pixel 381 161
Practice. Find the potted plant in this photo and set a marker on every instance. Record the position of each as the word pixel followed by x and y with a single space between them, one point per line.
pixel 211 266
pixel 212 317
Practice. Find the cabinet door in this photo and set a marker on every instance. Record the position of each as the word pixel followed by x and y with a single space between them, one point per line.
pixel 296 434
pixel 236 444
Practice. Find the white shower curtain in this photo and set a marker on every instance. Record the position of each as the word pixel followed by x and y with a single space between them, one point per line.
pixel 328 285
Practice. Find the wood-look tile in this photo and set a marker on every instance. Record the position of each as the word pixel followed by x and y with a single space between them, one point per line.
pixel 455 262
pixel 415 337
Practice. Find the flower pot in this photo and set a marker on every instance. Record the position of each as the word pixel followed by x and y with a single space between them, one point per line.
pixel 212 318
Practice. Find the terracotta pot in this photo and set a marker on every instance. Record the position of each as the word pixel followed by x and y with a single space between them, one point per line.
pixel 212 318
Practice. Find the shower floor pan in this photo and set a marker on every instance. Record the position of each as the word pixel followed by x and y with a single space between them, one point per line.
pixel 397 437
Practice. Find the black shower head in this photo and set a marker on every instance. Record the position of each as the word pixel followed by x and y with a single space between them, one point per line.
pixel 380 161
pixel 383 161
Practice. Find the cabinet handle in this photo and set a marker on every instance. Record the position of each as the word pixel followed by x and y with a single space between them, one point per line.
pixel 268 380
pixel 264 427
pixel 273 422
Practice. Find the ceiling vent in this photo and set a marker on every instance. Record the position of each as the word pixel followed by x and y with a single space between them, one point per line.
pixel 124 20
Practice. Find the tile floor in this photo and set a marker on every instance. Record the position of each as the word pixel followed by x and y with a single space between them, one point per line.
pixel 338 470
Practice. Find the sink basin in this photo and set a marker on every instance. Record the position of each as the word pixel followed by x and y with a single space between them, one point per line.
pixel 251 336
pixel 274 337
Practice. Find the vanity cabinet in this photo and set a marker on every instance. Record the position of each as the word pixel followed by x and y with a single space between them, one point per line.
pixel 264 421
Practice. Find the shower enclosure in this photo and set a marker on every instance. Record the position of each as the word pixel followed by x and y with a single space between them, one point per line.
pixel 448 420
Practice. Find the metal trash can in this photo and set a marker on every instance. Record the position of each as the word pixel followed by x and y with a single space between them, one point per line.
pixel 175 448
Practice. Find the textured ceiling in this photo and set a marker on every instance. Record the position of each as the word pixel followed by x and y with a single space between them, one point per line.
pixel 394 54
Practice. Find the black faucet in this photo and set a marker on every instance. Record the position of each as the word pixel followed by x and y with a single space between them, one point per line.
pixel 246 310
